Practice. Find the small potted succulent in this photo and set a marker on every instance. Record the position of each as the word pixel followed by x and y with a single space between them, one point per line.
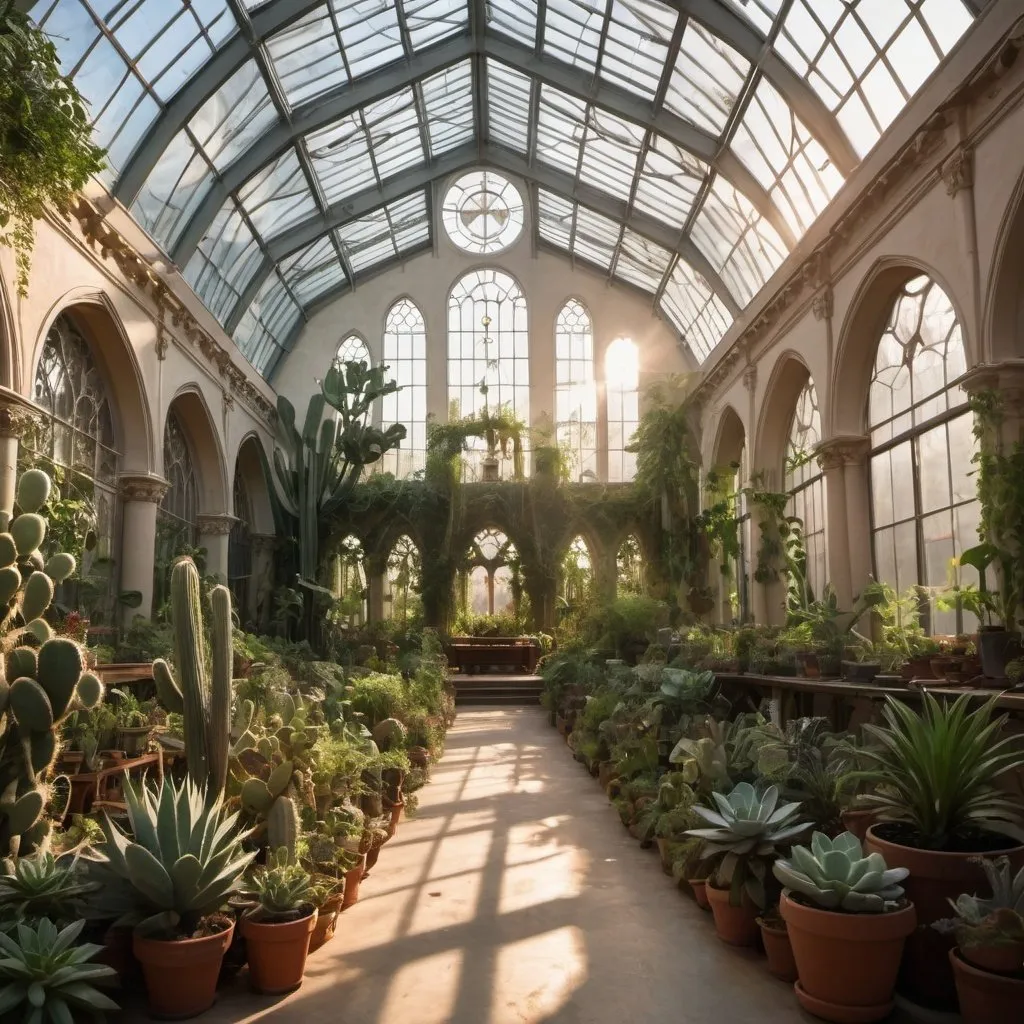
pixel 847 920
pixel 748 828
pixel 278 927
pixel 326 894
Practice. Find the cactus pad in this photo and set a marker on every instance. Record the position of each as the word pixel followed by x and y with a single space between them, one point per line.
pixel 279 779
pixel 29 532
pixel 30 705
pixel 8 550
pixel 21 662
pixel 60 667
pixel 256 797
pixel 283 826
pixel 60 566
pixel 24 812
pixel 40 750
pixel 89 691
pixel 10 580
pixel 33 490
pixel 37 596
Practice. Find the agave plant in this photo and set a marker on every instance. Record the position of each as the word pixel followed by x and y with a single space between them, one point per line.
pixel 47 975
pixel 184 862
pixel 281 889
pixel 937 770
pixel 749 827
pixel 44 886
pixel 835 874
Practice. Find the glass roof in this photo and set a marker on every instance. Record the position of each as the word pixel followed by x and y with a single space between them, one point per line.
pixel 279 151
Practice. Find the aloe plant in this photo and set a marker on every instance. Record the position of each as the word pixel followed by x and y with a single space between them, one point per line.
pixel 282 890
pixel 47 974
pixel 44 886
pixel 835 874
pixel 180 860
pixel 748 829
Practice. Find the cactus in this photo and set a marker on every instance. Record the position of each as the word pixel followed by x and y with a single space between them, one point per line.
pixel 204 703
pixel 283 826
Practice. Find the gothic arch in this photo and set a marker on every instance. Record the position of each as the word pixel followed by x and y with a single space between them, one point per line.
pixel 788 379
pixel 210 464
pixel 249 463
pixel 10 370
pixel 730 439
pixel 1004 300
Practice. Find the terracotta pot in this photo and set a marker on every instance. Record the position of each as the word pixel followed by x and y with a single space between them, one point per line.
pixel 326 921
pixel 735 925
pixel 858 822
pixel 847 963
pixel 779 951
pixel 986 998
pixel 935 878
pixel 1007 959
pixel 605 773
pixel 277 952
pixel 117 953
pixel 181 977
pixel 698 886
pixel 352 880
pixel 396 817
pixel 918 668
pixel 371 859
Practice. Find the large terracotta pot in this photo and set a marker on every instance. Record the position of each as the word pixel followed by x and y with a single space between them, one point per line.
pixel 181 977
pixel 935 878
pixel 326 921
pixel 277 952
pixel 847 963
pixel 735 925
pixel 987 998
pixel 699 888
pixel 1006 959
pixel 779 951
pixel 352 880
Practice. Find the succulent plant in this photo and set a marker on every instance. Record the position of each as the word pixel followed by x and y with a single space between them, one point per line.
pixel 184 862
pixel 748 829
pixel 835 874
pixel 282 890
pixel 994 920
pixel 48 974
pixel 44 886
pixel 205 704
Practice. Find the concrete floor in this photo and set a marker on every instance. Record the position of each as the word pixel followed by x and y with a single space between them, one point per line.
pixel 516 897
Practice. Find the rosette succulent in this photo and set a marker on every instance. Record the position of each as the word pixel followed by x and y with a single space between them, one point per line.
pixel 835 875
pixel 995 920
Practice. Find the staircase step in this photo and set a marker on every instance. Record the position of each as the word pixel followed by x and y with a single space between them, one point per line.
pixel 504 699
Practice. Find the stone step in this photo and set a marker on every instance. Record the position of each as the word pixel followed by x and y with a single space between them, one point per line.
pixel 517 698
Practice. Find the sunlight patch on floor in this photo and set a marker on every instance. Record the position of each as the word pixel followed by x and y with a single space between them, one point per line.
pixel 424 991
pixel 536 977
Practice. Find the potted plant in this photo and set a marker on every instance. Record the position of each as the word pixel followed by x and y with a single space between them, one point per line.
pixel 847 920
pixel 748 827
pixel 326 894
pixel 45 886
pixel 936 775
pixel 777 946
pixel 832 630
pixel 169 876
pixel 278 928
pixel 133 726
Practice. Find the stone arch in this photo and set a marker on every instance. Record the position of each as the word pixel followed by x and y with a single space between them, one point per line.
pixel 861 331
pixel 730 439
pixel 788 379
pixel 249 463
pixel 1004 300
pixel 95 317
pixel 10 351
pixel 206 449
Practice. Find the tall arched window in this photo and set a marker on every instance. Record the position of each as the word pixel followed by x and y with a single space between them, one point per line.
pixel 577 572
pixel 75 440
pixel 350 580
pixel 492 559
pixel 923 499
pixel 239 547
pixel 179 510
pixel 805 483
pixel 629 567
pixel 622 374
pixel 575 390
pixel 488 349
pixel 402 581
pixel 405 355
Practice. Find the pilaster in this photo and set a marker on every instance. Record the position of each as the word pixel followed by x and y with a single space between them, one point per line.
pixel 214 535
pixel 141 495
pixel 843 460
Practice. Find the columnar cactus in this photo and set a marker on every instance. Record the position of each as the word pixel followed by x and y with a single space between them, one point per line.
pixel 39 686
pixel 205 704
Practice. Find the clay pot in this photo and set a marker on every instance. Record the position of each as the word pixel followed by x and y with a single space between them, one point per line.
pixel 326 922
pixel 985 997
pixel 858 822
pixel 935 878
pixel 1008 959
pixel 181 977
pixel 735 925
pixel 117 953
pixel 277 952
pixel 699 888
pixel 779 951
pixel 847 963
pixel 396 817
pixel 352 880
pixel 605 773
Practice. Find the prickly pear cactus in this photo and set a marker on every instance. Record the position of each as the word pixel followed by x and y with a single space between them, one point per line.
pixel 40 685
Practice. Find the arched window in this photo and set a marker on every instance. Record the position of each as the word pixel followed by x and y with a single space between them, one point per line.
pixel 488 350
pixel 353 350
pixel 350 581
pixel 405 355
pixel 577 572
pixel 402 581
pixel 622 374
pixel 923 498
pixel 805 483
pixel 629 567
pixel 75 442
pixel 179 510
pixel 575 390
pixel 493 566
pixel 239 547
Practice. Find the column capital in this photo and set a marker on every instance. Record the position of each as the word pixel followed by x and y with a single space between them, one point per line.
pixel 842 450
pixel 216 524
pixel 17 416
pixel 1006 377
pixel 143 487
pixel 261 542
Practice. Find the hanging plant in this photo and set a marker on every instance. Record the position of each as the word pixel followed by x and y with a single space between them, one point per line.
pixel 46 148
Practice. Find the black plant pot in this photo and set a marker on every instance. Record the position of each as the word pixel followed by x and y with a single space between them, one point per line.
pixel 997 647
pixel 860 671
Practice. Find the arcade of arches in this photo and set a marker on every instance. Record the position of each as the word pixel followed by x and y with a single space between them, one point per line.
pixel 835 303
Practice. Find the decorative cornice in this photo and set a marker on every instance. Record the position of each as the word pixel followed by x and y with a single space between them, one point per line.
pixel 216 524
pixel 143 487
pixel 958 171
pixel 137 270
pixel 1006 377
pixel 844 450
pixel 750 377
pixel 823 304
pixel 17 417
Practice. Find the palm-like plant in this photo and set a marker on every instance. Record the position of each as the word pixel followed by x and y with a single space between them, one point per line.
pixel 937 770
pixel 47 974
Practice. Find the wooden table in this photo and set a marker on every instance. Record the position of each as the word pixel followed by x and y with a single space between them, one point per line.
pixel 105 785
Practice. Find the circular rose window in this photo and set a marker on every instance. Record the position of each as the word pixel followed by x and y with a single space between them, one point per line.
pixel 483 212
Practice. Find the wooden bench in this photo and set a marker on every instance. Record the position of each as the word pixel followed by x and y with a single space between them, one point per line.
pixel 474 653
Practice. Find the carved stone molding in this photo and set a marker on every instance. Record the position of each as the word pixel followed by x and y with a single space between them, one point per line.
pixel 217 524
pixel 262 542
pixel 16 418
pixel 958 171
pixel 1006 377
pixel 845 450
pixel 143 487
pixel 823 304
pixel 750 377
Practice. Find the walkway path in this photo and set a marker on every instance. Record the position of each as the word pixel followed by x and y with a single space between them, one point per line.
pixel 516 897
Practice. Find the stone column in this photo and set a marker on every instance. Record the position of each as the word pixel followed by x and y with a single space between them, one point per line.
pixel 141 495
pixel 214 535
pixel 375 567
pixel 16 419
pixel 261 580
pixel 1006 379
pixel 848 524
